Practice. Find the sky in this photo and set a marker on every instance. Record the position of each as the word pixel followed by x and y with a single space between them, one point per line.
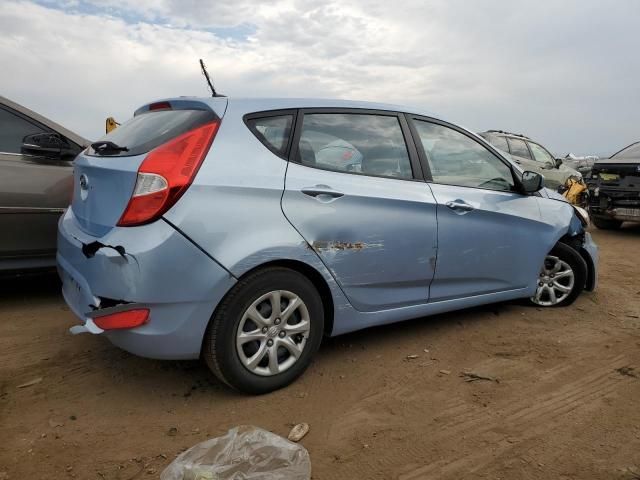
pixel 566 73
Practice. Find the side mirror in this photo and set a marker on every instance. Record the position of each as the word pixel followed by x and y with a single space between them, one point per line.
pixel 558 162
pixel 532 182
pixel 49 145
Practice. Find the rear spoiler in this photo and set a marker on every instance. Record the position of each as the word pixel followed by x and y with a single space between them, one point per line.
pixel 217 105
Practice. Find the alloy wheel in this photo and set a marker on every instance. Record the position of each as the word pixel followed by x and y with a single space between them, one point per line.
pixel 272 333
pixel 555 282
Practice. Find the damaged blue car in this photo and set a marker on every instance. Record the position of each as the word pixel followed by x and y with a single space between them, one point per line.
pixel 243 231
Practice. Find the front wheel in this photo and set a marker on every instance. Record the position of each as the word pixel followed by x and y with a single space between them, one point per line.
pixel 561 279
pixel 265 331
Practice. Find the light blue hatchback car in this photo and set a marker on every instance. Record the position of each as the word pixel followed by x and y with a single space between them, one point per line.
pixel 244 230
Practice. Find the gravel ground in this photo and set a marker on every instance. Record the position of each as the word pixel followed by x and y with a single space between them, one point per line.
pixel 564 403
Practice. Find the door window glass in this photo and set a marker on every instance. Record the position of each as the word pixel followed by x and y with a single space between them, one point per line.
pixel 540 154
pixel 354 143
pixel 13 129
pixel 499 142
pixel 273 131
pixel 519 148
pixel 456 159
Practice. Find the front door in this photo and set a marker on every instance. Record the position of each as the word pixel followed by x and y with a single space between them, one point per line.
pixel 34 191
pixel 488 234
pixel 355 193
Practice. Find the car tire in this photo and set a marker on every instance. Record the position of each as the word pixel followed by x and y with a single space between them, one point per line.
pixel 606 223
pixel 571 273
pixel 247 327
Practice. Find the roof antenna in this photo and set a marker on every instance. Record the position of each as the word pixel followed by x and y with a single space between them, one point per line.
pixel 206 75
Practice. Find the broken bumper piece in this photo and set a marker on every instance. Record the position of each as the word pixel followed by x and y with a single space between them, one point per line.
pixel 88 327
pixel 178 310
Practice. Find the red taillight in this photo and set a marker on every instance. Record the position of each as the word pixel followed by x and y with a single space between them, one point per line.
pixel 166 173
pixel 121 320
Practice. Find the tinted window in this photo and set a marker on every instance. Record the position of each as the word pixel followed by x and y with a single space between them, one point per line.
pixel 455 159
pixel 146 131
pixel 13 129
pixel 540 154
pixel 273 131
pixel 355 143
pixel 519 148
pixel 632 151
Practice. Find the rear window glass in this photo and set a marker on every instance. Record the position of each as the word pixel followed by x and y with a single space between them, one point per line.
pixel 273 131
pixel 632 151
pixel 146 131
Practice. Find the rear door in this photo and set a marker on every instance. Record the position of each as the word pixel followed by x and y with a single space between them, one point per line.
pixel 488 238
pixel 34 191
pixel 354 191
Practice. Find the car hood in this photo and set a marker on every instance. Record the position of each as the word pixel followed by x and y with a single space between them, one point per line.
pixel 552 195
pixel 618 161
pixel 569 170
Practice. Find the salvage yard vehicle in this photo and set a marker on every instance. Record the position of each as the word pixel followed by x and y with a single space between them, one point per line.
pixel 36 185
pixel 533 156
pixel 614 187
pixel 215 228
pixel 580 164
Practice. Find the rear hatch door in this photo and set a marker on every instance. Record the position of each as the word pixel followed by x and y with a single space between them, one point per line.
pixel 105 174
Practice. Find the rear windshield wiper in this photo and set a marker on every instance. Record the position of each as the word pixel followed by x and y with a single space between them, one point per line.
pixel 106 147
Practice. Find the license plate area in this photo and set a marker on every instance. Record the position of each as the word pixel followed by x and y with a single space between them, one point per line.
pixel 77 297
pixel 610 177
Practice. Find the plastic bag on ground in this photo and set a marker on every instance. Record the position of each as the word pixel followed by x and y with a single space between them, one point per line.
pixel 244 453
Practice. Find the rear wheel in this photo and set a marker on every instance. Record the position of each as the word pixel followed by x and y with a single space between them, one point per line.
pixel 607 223
pixel 266 331
pixel 561 279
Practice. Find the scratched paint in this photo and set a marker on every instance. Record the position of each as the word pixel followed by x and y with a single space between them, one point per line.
pixel 336 246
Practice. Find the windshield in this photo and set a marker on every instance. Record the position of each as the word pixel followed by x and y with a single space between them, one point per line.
pixel 632 151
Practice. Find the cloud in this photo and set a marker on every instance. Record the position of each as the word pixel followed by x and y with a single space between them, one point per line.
pixel 561 72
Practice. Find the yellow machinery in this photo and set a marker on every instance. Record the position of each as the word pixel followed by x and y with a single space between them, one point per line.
pixel 111 124
pixel 575 191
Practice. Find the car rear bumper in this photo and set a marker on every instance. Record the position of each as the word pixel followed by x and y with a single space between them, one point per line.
pixel 152 266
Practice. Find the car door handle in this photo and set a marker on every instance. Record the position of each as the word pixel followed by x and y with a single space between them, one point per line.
pixel 459 206
pixel 322 190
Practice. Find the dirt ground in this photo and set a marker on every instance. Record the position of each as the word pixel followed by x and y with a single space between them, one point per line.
pixel 561 408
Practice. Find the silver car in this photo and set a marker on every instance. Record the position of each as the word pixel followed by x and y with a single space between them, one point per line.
pixel 533 156
pixel 36 183
pixel 243 231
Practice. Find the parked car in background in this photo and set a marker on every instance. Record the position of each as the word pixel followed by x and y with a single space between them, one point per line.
pixel 532 156
pixel 581 164
pixel 614 186
pixel 36 183
pixel 243 231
